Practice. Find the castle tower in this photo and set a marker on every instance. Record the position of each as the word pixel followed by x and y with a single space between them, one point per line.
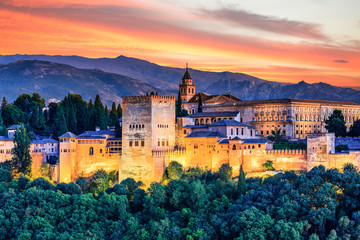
pixel 187 87
pixel 67 156
pixel 148 124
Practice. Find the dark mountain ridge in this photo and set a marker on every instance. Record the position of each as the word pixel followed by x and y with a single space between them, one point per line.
pixel 54 81
pixel 241 85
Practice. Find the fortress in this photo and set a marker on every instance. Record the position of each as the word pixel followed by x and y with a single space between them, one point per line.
pixel 225 130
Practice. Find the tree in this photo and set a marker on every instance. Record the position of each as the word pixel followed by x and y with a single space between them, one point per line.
pixel 269 165
pixel 174 170
pixel 342 147
pixel 200 104
pixel 277 136
pixel 114 118
pixel 178 105
pixel 336 123
pixel 21 160
pixel 72 122
pixel 59 126
pixel 119 111
pixel 11 115
pixel 225 172
pixel 242 187
pixel 355 129
pixel 3 103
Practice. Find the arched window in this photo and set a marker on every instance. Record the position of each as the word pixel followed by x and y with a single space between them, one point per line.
pixel 91 151
pixel 234 147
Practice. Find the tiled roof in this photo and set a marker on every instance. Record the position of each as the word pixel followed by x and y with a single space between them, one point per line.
pixel 5 138
pixel 196 126
pixel 48 140
pixel 230 122
pixel 214 114
pixel 206 134
pixel 212 98
pixel 285 100
pixel 114 139
pixel 13 127
pixel 91 137
pixel 68 135
pixel 256 140
pixel 97 133
pixel 186 75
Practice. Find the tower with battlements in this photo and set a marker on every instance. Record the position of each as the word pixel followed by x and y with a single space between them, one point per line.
pixel 187 86
pixel 148 125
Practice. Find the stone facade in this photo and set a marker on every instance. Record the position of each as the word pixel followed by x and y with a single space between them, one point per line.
pixel 148 124
pixel 83 155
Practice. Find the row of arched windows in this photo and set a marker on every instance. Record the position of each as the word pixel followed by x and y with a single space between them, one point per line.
pixel 163 126
pixel 137 126
pixel 191 90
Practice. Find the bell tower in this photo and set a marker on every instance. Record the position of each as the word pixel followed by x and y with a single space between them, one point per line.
pixel 187 87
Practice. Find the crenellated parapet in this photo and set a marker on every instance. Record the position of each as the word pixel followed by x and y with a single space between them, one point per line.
pixel 275 152
pixel 143 99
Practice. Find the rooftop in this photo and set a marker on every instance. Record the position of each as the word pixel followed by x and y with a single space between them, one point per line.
pixel 283 101
pixel 206 134
pixel 230 122
pixel 214 114
pixel 68 135
pixel 13 127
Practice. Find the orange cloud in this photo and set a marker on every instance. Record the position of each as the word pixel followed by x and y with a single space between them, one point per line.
pixel 123 28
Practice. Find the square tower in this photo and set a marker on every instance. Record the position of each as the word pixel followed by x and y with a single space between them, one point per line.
pixel 148 124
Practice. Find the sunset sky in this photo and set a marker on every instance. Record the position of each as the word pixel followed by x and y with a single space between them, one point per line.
pixel 279 40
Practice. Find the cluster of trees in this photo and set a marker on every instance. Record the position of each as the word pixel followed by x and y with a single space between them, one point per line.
pixel 336 124
pixel 193 204
pixel 71 114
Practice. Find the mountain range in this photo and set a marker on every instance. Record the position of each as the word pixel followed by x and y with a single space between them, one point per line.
pixel 113 78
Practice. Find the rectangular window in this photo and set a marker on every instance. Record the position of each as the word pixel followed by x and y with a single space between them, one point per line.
pixel 184 131
pixel 242 131
pixel 251 132
pixel 136 143
pixel 259 145
pixel 163 143
pixel 100 150
pixel 130 144
pixel 167 143
pixel 158 143
pixel 232 131
pixel 262 132
pixel 142 143
pixel 237 131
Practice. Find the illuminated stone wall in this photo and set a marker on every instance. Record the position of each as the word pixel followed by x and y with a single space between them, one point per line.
pixel 148 124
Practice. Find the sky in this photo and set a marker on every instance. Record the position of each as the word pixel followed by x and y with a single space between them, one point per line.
pixel 277 40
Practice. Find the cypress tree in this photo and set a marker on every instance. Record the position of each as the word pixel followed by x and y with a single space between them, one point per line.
pixel 21 160
pixel 3 129
pixel 119 111
pixel 242 187
pixel 72 119
pixel 200 104
pixel 118 129
pixel 3 103
pixel 113 115
pixel 178 105
pixel 59 126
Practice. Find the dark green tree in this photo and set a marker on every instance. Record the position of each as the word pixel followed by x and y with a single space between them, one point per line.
pixel 242 186
pixel 119 111
pixel 59 126
pixel 225 172
pixel 72 121
pixel 200 104
pixel 269 165
pixel 277 136
pixel 21 160
pixel 174 170
pixel 114 118
pixel 336 123
pixel 3 103
pixel 355 129
pixel 12 115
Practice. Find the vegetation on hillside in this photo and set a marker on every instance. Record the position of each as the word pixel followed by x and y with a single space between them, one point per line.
pixel 197 204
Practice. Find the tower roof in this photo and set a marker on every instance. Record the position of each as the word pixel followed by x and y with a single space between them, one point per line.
pixel 187 74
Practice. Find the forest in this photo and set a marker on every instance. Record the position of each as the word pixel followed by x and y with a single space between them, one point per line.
pixel 188 204
pixel 71 114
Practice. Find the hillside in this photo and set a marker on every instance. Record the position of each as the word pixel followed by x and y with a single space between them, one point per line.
pixel 241 85
pixel 53 80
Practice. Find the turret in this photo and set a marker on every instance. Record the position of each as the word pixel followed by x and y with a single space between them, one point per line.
pixel 187 87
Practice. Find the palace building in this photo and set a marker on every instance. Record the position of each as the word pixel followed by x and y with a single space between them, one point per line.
pixel 225 130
